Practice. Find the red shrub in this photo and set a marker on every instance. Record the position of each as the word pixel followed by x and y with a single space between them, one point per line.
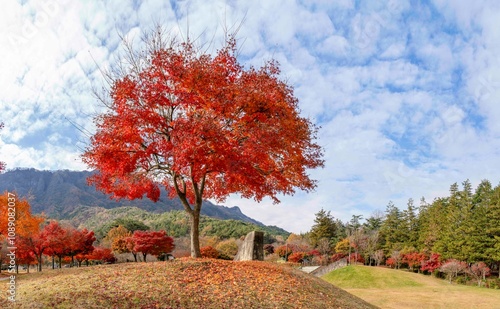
pixel 209 252
pixel 338 256
pixel 390 262
pixel 357 258
pixel 433 263
pixel 296 257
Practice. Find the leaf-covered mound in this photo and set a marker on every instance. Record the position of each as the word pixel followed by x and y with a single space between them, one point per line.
pixel 184 283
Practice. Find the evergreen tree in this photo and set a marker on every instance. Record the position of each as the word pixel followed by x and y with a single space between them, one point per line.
pixel 493 228
pixel 374 222
pixel 392 232
pixel 432 224
pixel 452 238
pixel 411 225
pixel 324 227
pixel 476 240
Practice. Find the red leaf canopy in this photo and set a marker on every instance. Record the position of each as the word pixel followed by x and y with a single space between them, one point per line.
pixel 202 126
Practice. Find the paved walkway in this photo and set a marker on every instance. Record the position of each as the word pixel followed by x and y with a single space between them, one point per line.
pixel 309 269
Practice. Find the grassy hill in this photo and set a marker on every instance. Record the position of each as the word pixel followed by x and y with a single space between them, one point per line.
pixel 388 288
pixel 183 283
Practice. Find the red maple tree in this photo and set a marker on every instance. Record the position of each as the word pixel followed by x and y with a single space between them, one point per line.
pixel 79 242
pixel 433 263
pixel 35 244
pixel 201 126
pixel 57 242
pixel 414 259
pixel 152 242
pixel 99 254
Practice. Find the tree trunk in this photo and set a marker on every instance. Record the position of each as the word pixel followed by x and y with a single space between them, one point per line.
pixel 135 256
pixel 195 233
pixel 39 258
pixel 194 213
pixel 144 256
pixel 53 262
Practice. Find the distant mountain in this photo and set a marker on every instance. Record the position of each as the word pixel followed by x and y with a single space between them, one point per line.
pixel 59 193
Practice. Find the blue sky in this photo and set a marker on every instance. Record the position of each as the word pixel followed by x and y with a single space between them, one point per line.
pixel 405 92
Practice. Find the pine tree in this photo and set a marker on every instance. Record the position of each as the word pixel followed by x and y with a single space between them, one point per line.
pixel 432 226
pixel 374 222
pixel 392 232
pixel 324 227
pixel 411 226
pixel 493 228
pixel 476 240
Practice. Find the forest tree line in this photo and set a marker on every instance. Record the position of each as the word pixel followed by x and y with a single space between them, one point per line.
pixel 463 226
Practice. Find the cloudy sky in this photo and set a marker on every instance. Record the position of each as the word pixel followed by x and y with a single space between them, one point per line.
pixel 405 92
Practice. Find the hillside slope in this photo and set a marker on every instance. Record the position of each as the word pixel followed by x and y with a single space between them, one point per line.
pixel 389 288
pixel 174 222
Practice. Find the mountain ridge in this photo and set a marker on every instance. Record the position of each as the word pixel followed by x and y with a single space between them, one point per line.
pixel 59 193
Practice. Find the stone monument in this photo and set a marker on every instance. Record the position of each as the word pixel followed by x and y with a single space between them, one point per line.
pixel 252 247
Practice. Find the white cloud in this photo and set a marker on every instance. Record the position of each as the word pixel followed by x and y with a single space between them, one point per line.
pixel 406 95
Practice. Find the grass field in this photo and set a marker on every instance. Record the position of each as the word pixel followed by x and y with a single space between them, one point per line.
pixel 388 288
pixel 183 283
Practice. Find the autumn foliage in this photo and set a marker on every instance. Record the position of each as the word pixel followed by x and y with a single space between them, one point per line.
pixel 25 222
pixel 101 254
pixel 209 252
pixel 183 283
pixel 432 263
pixel 56 241
pixel 203 127
pixel 152 242
pixel 414 259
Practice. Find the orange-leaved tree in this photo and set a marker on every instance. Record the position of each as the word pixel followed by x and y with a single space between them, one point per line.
pixel 16 216
pixel 202 126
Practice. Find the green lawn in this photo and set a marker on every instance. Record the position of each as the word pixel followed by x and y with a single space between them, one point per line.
pixel 388 288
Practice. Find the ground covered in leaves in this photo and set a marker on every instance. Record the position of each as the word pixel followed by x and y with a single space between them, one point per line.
pixel 183 283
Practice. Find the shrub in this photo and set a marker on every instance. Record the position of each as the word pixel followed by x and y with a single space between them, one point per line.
pixel 272 258
pixel 338 256
pixel 209 252
pixel 314 253
pixel 321 260
pixel 284 251
pixel 357 258
pixel 479 271
pixel 390 262
pixel 268 249
pixel 227 249
pixel 462 280
pixel 494 284
pixel 432 264
pixel 453 268
pixel 296 257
